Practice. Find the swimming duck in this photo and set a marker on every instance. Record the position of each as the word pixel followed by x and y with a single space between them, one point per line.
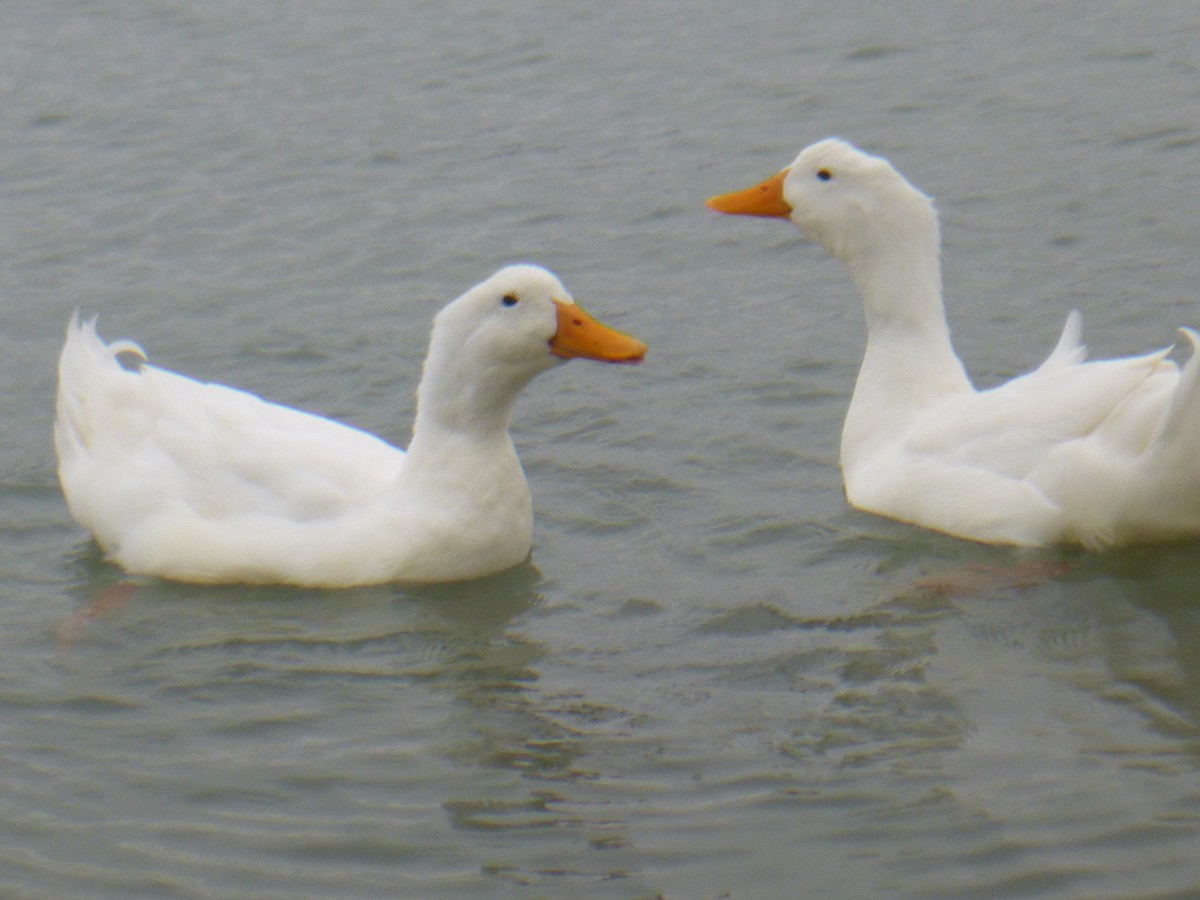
pixel 205 483
pixel 1098 454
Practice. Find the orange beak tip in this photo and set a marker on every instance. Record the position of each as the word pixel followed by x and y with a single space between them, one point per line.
pixel 633 360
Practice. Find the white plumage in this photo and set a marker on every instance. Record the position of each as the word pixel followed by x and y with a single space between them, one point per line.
pixel 201 482
pixel 1095 453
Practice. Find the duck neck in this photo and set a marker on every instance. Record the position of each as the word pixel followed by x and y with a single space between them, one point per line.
pixel 464 406
pixel 461 413
pixel 909 363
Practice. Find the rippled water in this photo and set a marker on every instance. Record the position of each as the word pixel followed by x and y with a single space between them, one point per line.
pixel 711 679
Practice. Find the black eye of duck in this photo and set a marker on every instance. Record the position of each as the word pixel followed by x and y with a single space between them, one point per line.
pixel 824 175
pixel 509 299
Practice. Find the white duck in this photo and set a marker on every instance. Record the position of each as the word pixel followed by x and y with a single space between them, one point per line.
pixel 1100 453
pixel 205 483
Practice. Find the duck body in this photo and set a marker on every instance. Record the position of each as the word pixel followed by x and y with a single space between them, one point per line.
pixel 205 483
pixel 1101 453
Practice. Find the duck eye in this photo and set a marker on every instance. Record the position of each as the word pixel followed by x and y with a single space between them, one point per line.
pixel 509 299
pixel 824 175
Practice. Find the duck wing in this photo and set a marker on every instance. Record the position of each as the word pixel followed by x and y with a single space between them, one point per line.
pixel 135 443
pixel 1012 428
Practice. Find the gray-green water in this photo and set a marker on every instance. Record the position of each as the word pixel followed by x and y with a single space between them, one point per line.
pixel 712 679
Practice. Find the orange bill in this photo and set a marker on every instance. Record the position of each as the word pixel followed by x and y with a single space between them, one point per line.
pixel 764 199
pixel 579 335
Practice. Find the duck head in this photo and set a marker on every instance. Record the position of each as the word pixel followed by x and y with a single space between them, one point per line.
pixel 855 204
pixel 490 342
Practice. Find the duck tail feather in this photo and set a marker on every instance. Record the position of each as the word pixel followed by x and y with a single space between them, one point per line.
pixel 1069 351
pixel 1180 427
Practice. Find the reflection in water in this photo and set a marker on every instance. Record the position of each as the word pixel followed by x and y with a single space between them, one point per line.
pixel 937 716
pixel 1152 646
pixel 1075 694
pixel 490 672
pixel 214 708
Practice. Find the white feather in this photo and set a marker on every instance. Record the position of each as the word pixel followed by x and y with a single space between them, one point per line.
pixel 1095 453
pixel 201 482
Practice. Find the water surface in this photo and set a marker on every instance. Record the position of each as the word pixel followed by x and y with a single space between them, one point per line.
pixel 711 679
